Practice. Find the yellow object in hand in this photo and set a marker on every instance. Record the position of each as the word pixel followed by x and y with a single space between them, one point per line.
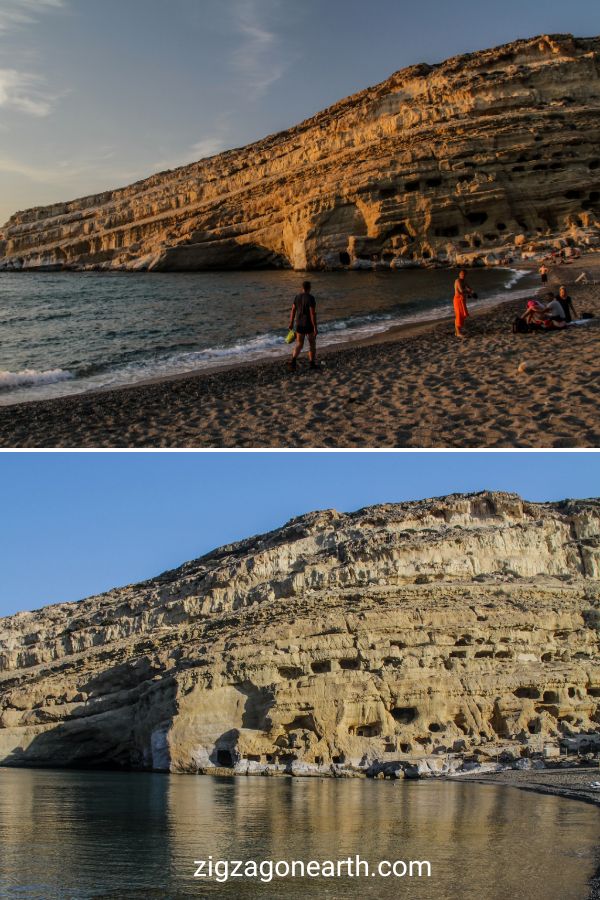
pixel 291 337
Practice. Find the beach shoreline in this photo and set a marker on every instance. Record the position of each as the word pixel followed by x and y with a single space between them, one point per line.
pixel 568 783
pixel 382 329
pixel 495 389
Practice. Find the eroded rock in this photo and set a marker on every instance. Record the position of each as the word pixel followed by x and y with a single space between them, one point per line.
pixel 412 639
pixel 473 161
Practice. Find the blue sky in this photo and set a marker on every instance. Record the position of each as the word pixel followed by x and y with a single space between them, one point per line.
pixel 94 95
pixel 77 524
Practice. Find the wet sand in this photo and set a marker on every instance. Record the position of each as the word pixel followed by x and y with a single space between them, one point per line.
pixel 418 387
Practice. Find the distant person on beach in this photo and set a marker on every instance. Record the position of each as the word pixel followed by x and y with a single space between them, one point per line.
pixel 304 315
pixel 544 273
pixel 567 304
pixel 462 292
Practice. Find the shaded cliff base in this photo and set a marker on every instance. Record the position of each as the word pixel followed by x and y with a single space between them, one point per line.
pixel 419 388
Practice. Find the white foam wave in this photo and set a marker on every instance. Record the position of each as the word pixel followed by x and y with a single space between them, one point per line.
pixel 515 276
pixel 28 377
pixel 269 346
pixel 262 347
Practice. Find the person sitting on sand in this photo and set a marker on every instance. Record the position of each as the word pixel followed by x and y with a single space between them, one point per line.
pixel 304 313
pixel 544 273
pixel 567 304
pixel 461 292
pixel 554 315
pixel 534 314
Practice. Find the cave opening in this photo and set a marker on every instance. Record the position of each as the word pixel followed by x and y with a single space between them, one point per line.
pixel 345 258
pixel 350 664
pixel 224 758
pixel 371 730
pixel 321 667
pixel 477 218
pixel 404 714
pixel 527 693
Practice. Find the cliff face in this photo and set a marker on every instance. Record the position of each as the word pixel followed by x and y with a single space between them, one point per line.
pixel 484 155
pixel 386 637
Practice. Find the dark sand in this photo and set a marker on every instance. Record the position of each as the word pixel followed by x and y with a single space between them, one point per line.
pixel 417 388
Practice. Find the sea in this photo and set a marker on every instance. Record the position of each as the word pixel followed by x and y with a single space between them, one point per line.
pixel 77 835
pixel 66 333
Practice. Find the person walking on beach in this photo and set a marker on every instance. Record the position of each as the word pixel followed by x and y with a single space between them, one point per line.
pixel 461 292
pixel 544 273
pixel 304 314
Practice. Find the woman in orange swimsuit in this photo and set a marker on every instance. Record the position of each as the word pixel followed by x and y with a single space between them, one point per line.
pixel 461 313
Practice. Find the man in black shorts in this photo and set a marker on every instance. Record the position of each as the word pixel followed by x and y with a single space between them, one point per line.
pixel 304 313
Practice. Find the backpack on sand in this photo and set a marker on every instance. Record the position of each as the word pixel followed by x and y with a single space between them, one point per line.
pixel 520 326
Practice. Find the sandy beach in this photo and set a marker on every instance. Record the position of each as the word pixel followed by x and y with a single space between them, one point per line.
pixel 417 387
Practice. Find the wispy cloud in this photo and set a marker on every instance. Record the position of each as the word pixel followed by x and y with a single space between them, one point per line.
pixel 20 13
pixel 100 165
pixel 220 137
pixel 22 91
pixel 216 141
pixel 259 58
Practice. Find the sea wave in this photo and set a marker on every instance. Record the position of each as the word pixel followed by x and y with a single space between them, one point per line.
pixel 269 345
pixel 515 276
pixel 30 377
pixel 173 360
pixel 34 318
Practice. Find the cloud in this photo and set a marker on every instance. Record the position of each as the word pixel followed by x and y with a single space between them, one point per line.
pixel 21 91
pixel 218 140
pixel 64 172
pixel 259 58
pixel 16 14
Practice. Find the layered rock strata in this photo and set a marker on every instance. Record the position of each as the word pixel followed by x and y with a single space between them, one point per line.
pixel 489 155
pixel 398 636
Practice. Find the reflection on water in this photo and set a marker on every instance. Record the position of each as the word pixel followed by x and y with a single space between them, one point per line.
pixel 110 835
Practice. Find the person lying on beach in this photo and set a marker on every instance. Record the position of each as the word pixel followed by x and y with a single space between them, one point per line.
pixel 567 304
pixel 304 314
pixel 462 291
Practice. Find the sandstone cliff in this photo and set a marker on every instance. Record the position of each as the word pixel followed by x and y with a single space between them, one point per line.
pixel 390 637
pixel 483 156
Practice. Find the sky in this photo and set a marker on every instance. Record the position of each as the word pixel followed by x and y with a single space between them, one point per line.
pixel 95 95
pixel 77 524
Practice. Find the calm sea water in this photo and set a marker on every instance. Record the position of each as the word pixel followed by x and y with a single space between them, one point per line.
pixel 92 835
pixel 63 333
